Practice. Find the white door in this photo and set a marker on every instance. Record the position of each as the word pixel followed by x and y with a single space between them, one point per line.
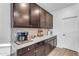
pixel 70 37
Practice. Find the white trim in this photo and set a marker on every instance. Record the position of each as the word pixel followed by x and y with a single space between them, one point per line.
pixel 5 45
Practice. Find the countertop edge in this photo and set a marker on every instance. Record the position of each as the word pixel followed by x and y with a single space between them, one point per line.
pixel 33 42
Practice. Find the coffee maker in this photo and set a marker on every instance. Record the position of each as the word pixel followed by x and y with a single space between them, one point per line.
pixel 22 36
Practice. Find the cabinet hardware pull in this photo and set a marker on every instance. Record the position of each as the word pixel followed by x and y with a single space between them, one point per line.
pixel 28 49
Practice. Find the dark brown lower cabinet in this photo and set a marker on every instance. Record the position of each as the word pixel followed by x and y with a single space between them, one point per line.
pixel 29 50
pixel 49 45
pixel 42 48
pixel 47 49
pixel 54 41
pixel 29 53
pixel 40 51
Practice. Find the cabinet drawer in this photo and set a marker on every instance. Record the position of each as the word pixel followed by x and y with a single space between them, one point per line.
pixel 25 49
pixel 39 44
pixel 29 53
pixel 48 40
pixel 52 38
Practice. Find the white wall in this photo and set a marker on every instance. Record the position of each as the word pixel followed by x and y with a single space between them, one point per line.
pixel 5 51
pixel 69 27
pixel 5 23
pixel 5 32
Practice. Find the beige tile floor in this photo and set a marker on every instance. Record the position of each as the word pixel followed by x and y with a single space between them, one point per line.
pixel 63 52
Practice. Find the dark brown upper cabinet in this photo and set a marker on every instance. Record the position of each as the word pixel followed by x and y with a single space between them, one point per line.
pixel 47 20
pixel 21 15
pixel 42 18
pixel 50 21
pixel 35 15
pixel 30 15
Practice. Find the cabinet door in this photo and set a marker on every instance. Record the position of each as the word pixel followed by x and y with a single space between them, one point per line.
pixel 42 18
pixel 29 50
pixel 47 20
pixel 51 42
pixel 21 14
pixel 47 49
pixel 29 53
pixel 50 21
pixel 40 51
pixel 35 15
pixel 55 41
pixel 48 46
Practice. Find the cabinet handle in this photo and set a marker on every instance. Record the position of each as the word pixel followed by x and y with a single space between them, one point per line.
pixel 28 48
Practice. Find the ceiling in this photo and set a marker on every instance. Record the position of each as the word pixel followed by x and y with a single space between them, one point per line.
pixel 50 7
